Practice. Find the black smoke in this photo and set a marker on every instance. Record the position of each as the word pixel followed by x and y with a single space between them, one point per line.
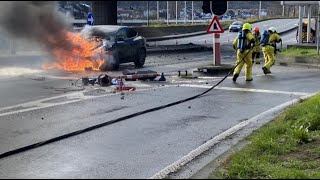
pixel 37 21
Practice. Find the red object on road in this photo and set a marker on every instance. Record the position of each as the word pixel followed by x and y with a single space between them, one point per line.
pixel 126 88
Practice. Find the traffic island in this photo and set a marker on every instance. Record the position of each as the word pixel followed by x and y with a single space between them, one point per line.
pixel 222 69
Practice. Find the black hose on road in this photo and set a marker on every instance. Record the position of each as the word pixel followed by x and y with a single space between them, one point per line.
pixel 55 139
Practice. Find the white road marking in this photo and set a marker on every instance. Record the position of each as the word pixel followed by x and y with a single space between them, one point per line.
pixel 41 104
pixel 248 90
pixel 17 71
pixel 215 140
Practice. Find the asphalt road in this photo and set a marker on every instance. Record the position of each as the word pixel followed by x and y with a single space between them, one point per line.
pixel 138 147
pixel 141 146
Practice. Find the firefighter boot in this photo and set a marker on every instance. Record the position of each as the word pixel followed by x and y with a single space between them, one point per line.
pixel 235 76
pixel 265 70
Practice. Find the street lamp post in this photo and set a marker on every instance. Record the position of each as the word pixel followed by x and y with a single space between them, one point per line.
pixel 147 13
pixel 167 12
pixel 176 12
pixel 192 12
pixel 158 10
pixel 185 11
pixel 260 10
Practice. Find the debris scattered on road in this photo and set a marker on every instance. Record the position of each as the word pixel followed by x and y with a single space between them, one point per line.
pixel 189 107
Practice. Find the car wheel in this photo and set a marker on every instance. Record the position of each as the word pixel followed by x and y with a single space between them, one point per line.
pixel 141 58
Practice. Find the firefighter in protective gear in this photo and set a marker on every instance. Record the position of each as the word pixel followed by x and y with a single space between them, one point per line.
pixel 269 50
pixel 256 48
pixel 243 45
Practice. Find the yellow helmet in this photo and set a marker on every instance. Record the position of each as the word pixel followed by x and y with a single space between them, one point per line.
pixel 246 26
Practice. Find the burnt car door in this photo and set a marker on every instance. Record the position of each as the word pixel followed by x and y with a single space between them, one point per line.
pixel 122 46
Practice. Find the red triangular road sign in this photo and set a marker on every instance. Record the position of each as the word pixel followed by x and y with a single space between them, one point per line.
pixel 215 26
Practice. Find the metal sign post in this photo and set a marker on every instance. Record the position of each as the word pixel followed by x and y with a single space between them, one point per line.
pixel 216 28
pixel 216 49
pixel 317 32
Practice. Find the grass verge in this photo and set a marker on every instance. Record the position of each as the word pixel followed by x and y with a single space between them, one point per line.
pixel 300 52
pixel 287 147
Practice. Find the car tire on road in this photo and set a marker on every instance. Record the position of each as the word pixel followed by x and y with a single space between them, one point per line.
pixel 141 58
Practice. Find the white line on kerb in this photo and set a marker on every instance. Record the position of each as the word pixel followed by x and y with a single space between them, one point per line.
pixel 248 90
pixel 206 146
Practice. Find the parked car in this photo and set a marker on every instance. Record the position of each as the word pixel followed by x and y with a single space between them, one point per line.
pixel 122 42
pixel 235 26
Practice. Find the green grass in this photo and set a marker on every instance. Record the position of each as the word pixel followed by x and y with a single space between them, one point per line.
pixel 303 52
pixel 287 147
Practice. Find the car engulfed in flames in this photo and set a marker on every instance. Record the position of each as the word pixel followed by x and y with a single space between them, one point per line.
pixel 87 54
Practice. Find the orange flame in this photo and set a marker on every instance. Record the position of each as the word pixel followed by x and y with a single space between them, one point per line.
pixel 79 58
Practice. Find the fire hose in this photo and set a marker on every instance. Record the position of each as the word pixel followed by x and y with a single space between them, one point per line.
pixel 68 135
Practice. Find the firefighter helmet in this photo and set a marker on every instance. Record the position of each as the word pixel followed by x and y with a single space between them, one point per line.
pixel 246 26
pixel 272 29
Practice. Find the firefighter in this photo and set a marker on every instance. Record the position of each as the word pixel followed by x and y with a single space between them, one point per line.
pixel 243 45
pixel 269 49
pixel 256 48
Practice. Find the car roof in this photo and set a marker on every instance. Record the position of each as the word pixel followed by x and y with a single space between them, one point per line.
pixel 102 30
pixel 107 28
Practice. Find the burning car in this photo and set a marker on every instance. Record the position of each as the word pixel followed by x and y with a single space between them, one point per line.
pixel 121 43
